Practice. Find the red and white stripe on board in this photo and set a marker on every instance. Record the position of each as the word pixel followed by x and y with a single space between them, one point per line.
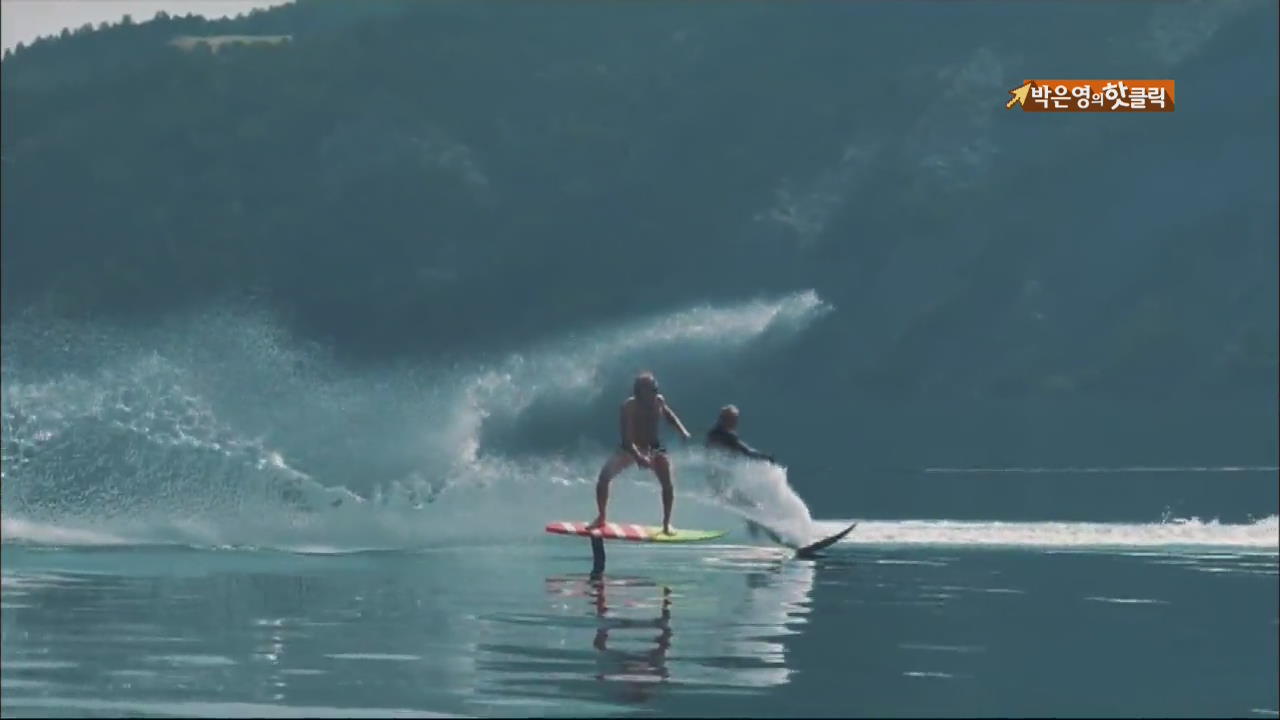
pixel 617 531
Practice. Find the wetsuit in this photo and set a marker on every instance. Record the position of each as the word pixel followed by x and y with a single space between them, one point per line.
pixel 729 440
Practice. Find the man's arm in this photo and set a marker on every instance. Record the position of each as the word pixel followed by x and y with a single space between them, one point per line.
pixel 674 420
pixel 751 452
pixel 731 441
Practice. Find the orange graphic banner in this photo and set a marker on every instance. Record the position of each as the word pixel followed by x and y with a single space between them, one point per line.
pixel 1093 96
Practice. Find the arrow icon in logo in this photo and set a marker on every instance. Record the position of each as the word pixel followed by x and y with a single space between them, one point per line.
pixel 1019 95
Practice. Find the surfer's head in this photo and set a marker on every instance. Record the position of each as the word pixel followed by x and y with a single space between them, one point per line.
pixel 728 417
pixel 645 385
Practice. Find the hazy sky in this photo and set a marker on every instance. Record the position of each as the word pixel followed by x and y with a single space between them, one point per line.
pixel 26 20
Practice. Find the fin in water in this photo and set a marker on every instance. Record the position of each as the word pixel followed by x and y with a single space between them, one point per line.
pixel 811 550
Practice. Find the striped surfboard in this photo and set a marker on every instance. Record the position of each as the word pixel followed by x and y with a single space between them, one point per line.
pixel 632 532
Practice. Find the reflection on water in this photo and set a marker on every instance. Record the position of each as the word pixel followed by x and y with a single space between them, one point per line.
pixel 716 626
pixel 636 670
pixel 715 630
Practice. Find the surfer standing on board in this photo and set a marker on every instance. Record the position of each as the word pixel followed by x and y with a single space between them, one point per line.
pixel 639 419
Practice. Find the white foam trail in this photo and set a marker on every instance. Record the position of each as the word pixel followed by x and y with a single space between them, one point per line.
pixel 573 366
pixel 158 439
pixel 16 529
pixel 1103 469
pixel 1259 536
pixel 389 529
pixel 751 489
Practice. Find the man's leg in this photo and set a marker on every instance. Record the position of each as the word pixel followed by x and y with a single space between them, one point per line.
pixel 614 465
pixel 662 468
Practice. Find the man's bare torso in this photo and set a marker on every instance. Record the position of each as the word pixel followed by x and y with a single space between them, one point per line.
pixel 643 421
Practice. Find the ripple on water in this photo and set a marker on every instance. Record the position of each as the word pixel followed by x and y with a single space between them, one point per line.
pixel 38 664
pixel 373 656
pixel 1128 601
pixel 193 660
pixel 943 648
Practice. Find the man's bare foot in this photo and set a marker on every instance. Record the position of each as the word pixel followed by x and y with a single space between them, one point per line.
pixel 666 530
pixel 597 523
